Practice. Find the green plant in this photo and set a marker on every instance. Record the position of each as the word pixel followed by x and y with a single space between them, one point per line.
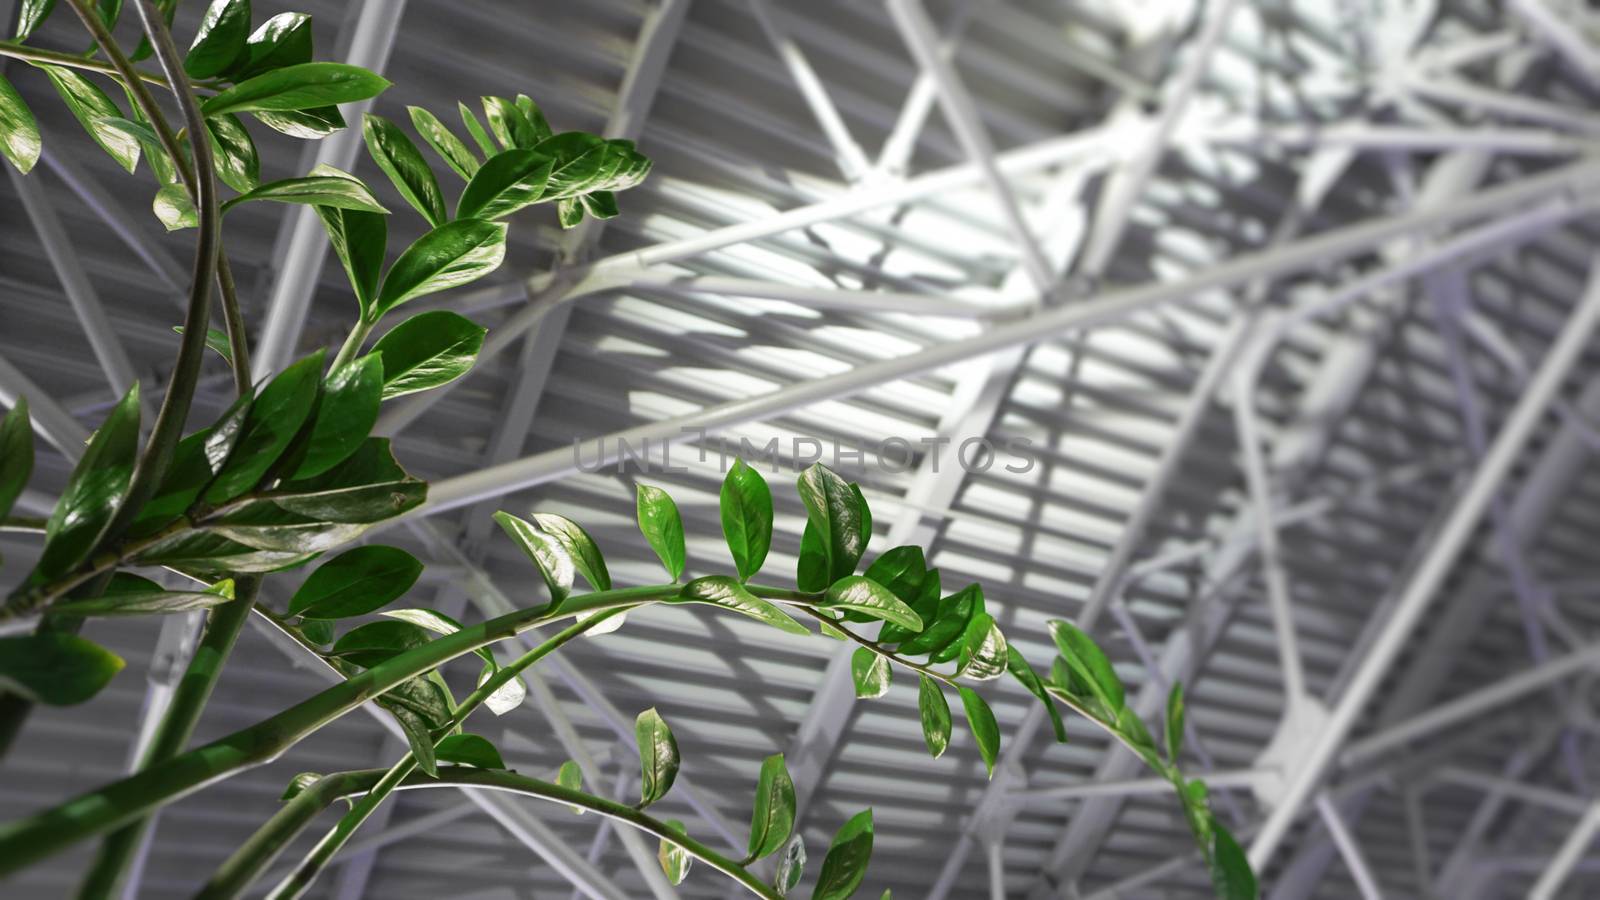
pixel 290 474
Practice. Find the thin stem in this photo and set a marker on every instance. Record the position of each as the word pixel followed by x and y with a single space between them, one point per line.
pixel 352 344
pixel 299 812
pixel 878 648
pixel 71 61
pixel 233 322
pixel 300 880
pixel 24 524
pixel 30 839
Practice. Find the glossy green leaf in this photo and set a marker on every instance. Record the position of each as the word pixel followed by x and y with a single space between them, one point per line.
pixel 438 623
pixel 548 554
pixel 174 209
pixel 600 204
pixel 358 238
pixel 197 460
pixel 505 698
pixel 570 776
pixel 658 757
pixel 506 183
pixel 328 190
pixel 569 212
pixel 901 570
pixel 534 115
pixel 1024 673
pixel 948 625
pixel 980 718
pixel 368 486
pixel 773 818
pixel 274 419
pixel 475 128
pixel 662 528
pixel 1231 876
pixel 1196 799
pixel 449 256
pixel 846 863
pixel 746 507
pixel 1174 730
pixel 310 124
pixel 837 518
pixel 345 415
pixel 726 592
pixel 1089 663
pixel 130 595
pixel 422 705
pixel 19 131
pixel 355 583
pixel 55 668
pixel 237 162
pixel 871 674
pixel 403 163
pixel 469 750
pixel 299 87
pixel 266 526
pixel 863 595
pixel 427 350
pixel 983 649
pixel 935 713
pixel 370 644
pixel 791 866
pixel 925 604
pixel 206 554
pixel 94 492
pixel 580 547
pixel 31 15
pixel 510 126
pixel 16 454
pixel 811 568
pixel 675 861
pixel 216 341
pixel 444 142
pixel 220 43
pixel 283 40
pixel 89 105
pixel 586 163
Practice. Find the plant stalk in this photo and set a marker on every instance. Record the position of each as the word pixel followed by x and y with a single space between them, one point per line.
pixel 352 344
pixel 25 53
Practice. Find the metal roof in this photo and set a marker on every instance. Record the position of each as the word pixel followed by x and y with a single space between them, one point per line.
pixel 1071 223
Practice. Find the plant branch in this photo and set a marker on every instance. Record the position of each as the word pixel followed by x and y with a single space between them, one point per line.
pixel 23 52
pixel 878 648
pixel 24 524
pixel 299 812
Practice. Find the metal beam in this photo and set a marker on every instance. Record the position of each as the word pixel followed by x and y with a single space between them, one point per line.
pixel 847 153
pixel 50 421
pixel 1568 856
pixel 372 27
pixel 1348 848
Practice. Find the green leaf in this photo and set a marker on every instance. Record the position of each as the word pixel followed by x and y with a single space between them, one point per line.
pixel 358 238
pixel 901 570
pixel 837 517
pixel 274 419
pixel 19 131
pixel 330 191
pixel 89 105
pixel 935 712
pixel 403 163
pixel 438 623
pixel 871 673
pixel 580 547
pixel 16 454
pixel 723 591
pixel 1174 732
pixel 746 506
pixel 586 163
pixel 863 595
pixel 469 750
pixel 299 87
pixel 347 412
pixel 506 183
pixel 56 668
pixel 535 116
pixel 310 124
pixel 1020 670
pixel 355 583
pixel 166 8
pixel 662 528
pixel 505 698
pixel 174 209
pixel 475 128
pixel 658 757
pixel 846 863
pixel 1230 867
pixel 367 487
pixel 283 40
pixel 1196 799
pixel 32 15
pixel 791 866
pixel 925 604
pixel 197 459
pixel 983 649
pixel 205 554
pixel 569 212
pixel 220 43
pixel 422 705
pixel 511 127
pixel 444 142
pixel 427 350
pixel 980 718
pixel 675 860
pixel 570 777
pixel 370 644
pixel 1089 663
pixel 547 553
pixel 448 256
pixel 216 340
pixel 94 492
pixel 949 624
pixel 298 784
pixel 773 819
pixel 130 595
pixel 600 204
pixel 238 165
pixel 811 569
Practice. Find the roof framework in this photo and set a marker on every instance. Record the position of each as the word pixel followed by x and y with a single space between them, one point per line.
pixel 1292 300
